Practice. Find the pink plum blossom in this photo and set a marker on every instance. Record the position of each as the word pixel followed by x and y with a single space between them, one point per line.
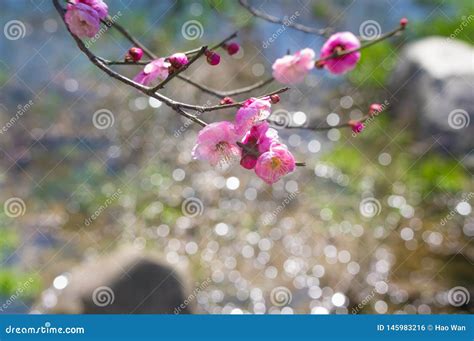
pixel 98 5
pixel 252 111
pixel 178 59
pixel 157 69
pixel 217 143
pixel 292 69
pixel 338 42
pixel 275 163
pixel 82 20
pixel 257 140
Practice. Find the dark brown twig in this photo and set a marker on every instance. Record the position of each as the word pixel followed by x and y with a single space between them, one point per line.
pixel 276 20
pixel 181 69
pixel 229 93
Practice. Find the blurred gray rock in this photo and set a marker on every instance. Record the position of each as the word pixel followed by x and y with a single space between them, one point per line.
pixel 433 90
pixel 124 282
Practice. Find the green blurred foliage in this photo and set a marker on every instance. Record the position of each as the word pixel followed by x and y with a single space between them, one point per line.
pixel 378 60
pixel 429 173
pixel 462 28
pixel 13 282
pixel 372 70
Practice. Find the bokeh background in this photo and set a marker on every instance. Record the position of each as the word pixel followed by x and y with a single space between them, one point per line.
pixel 378 223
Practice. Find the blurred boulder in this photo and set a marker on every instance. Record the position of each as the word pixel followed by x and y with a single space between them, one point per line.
pixel 124 282
pixel 433 90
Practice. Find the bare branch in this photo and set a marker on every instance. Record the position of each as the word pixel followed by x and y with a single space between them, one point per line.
pixel 221 94
pixel 177 106
pixel 276 20
pixel 130 37
pixel 181 69
pixel 322 127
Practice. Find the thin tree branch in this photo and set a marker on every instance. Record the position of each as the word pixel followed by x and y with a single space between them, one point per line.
pixel 276 20
pixel 181 69
pixel 323 127
pixel 239 104
pixel 177 106
pixel 229 93
pixel 130 37
pixel 341 53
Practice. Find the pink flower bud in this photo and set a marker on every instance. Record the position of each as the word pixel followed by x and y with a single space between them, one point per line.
pixel 227 100
pixel 232 48
pixel 275 99
pixel 356 126
pixel 375 108
pixel 134 54
pixel 177 60
pixel 248 161
pixel 212 57
pixel 403 22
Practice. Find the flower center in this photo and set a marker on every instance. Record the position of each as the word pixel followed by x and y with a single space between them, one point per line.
pixel 223 148
pixel 276 162
pixel 338 49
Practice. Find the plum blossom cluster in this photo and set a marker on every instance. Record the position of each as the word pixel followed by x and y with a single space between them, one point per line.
pixel 339 54
pixel 83 16
pixel 161 68
pixel 249 138
pixel 292 69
